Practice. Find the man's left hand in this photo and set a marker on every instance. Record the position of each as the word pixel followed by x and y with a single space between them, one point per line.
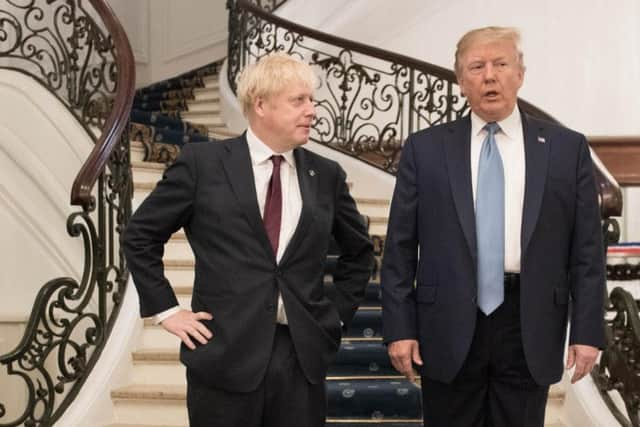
pixel 583 357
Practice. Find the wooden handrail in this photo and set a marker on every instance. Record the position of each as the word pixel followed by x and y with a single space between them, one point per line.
pixel 116 123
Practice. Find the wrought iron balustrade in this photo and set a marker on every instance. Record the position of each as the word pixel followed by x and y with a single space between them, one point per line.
pixel 78 51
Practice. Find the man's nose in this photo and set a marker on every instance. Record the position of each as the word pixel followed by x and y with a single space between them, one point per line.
pixel 489 72
pixel 311 109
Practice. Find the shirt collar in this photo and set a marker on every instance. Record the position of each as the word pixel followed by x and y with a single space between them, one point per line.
pixel 510 126
pixel 261 153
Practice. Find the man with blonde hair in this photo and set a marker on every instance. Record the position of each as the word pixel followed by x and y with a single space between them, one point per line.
pixel 258 211
pixel 503 212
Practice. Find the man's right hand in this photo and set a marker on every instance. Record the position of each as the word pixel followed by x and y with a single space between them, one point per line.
pixel 402 353
pixel 186 324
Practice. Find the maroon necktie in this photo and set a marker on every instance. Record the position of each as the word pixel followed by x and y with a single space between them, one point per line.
pixel 273 205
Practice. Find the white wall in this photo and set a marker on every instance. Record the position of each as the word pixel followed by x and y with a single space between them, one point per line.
pixel 169 37
pixel 42 147
pixel 582 57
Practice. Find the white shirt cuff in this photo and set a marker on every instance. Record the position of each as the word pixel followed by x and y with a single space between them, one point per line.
pixel 163 315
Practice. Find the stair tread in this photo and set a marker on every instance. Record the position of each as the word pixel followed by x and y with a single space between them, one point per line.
pixel 151 392
pixel 204 102
pixel 144 425
pixel 207 112
pixel 147 165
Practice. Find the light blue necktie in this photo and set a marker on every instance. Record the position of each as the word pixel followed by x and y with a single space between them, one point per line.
pixel 490 223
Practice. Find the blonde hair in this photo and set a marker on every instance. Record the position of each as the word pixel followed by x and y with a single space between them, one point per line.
pixel 487 35
pixel 270 76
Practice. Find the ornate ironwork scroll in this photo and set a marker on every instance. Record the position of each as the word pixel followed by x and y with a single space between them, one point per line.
pixel 366 103
pixel 60 44
pixel 81 55
pixel 269 5
pixel 619 365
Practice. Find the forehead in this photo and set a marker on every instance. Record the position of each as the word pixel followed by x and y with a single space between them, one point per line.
pixel 294 88
pixel 490 50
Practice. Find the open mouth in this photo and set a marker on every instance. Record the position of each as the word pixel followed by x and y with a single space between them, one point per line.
pixel 491 95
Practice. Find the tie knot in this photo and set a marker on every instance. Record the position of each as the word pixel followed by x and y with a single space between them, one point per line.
pixel 492 128
pixel 276 159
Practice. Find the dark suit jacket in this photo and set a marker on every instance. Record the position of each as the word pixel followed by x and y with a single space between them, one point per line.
pixel 562 261
pixel 210 191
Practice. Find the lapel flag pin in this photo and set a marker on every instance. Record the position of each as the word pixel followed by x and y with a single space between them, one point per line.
pixel 312 172
pixel 541 140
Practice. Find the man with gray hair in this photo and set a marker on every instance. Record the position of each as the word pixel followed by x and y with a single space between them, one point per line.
pixel 258 211
pixel 495 219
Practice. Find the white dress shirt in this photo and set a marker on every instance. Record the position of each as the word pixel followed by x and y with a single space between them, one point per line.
pixel 262 167
pixel 510 141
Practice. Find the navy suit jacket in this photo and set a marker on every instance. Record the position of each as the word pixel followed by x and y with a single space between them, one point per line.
pixel 210 191
pixel 429 267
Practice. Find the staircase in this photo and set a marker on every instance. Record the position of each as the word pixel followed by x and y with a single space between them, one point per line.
pixel 363 389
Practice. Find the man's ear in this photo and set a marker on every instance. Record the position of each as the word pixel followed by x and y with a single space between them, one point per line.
pixel 258 106
pixel 459 80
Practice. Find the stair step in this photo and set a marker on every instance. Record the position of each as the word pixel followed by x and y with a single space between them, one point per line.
pixel 211 81
pixel 146 172
pixel 137 151
pixel 203 105
pixel 378 225
pixel 222 133
pixel 395 398
pixel 207 94
pixel 163 405
pixel 166 392
pixel 208 118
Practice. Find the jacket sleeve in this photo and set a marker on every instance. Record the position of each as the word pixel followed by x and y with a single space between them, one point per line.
pixel 398 270
pixel 587 261
pixel 356 260
pixel 164 211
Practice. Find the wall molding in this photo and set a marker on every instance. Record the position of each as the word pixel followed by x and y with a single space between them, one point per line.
pixel 621 156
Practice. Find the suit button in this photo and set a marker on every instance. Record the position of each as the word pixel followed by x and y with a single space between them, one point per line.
pixel 271 308
pixel 278 272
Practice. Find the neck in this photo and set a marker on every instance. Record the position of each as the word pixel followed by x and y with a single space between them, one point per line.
pixel 268 139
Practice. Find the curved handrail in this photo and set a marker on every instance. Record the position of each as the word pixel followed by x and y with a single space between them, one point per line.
pixel 387 140
pixel 119 117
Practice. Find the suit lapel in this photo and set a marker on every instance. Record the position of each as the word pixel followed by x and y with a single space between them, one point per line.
pixel 239 172
pixel 308 182
pixel 536 154
pixel 458 156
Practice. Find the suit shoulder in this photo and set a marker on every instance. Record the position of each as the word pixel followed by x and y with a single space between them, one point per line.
pixel 433 132
pixel 556 129
pixel 210 147
pixel 320 161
